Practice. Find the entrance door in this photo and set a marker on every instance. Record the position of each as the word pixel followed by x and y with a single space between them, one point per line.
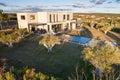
pixel 33 29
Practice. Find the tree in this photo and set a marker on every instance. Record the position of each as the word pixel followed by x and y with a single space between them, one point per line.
pixel 112 22
pixel 1 18
pixel 86 24
pixel 9 76
pixel 102 57
pixel 102 23
pixel 23 74
pixel 20 32
pixel 9 39
pixel 106 29
pixel 98 26
pixel 92 23
pixel 49 41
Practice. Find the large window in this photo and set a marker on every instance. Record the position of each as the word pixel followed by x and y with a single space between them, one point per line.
pixel 32 17
pixel 68 17
pixel 50 18
pixel 54 17
pixel 22 17
pixel 64 17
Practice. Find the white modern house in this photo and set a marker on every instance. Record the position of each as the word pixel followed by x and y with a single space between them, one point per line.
pixel 50 21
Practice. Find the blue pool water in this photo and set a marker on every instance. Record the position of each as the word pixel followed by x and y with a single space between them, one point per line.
pixel 80 39
pixel 85 40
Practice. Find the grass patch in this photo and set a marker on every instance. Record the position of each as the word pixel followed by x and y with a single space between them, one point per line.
pixel 60 63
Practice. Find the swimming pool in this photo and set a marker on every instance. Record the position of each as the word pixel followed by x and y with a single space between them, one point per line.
pixel 83 40
pixel 80 39
pixel 77 39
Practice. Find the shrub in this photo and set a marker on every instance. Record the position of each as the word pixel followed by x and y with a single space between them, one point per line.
pixel 21 74
pixel 116 30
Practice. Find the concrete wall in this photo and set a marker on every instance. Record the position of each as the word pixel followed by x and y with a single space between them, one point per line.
pixel 70 16
pixel 35 20
pixel 58 16
pixel 22 23
pixel 73 25
pixel 42 17
pixel 53 17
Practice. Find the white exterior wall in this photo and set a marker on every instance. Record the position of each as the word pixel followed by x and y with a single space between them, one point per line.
pixel 60 16
pixel 42 17
pixel 22 23
pixel 73 25
pixel 29 18
pixel 64 25
pixel 71 16
pixel 52 17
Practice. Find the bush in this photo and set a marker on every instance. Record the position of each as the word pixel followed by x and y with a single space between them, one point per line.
pixel 74 32
pixel 24 73
pixel 116 30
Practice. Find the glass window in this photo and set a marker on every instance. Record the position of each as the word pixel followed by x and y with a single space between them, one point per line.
pixel 32 17
pixel 64 17
pixel 50 18
pixel 22 17
pixel 68 17
pixel 54 17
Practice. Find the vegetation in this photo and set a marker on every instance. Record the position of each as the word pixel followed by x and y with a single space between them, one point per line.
pixel 13 37
pixel 98 61
pixel 116 30
pixel 1 17
pixel 61 63
pixel 49 41
pixel 74 32
pixel 21 32
pixel 102 56
pixel 22 74
pixel 83 31
pixel 101 22
pixel 9 39
pixel 7 20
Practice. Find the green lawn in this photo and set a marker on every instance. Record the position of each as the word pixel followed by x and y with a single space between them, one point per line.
pixel 60 63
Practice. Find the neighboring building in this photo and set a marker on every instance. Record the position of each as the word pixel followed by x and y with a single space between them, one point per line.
pixel 50 21
pixel 11 16
pixel 1 10
pixel 8 20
